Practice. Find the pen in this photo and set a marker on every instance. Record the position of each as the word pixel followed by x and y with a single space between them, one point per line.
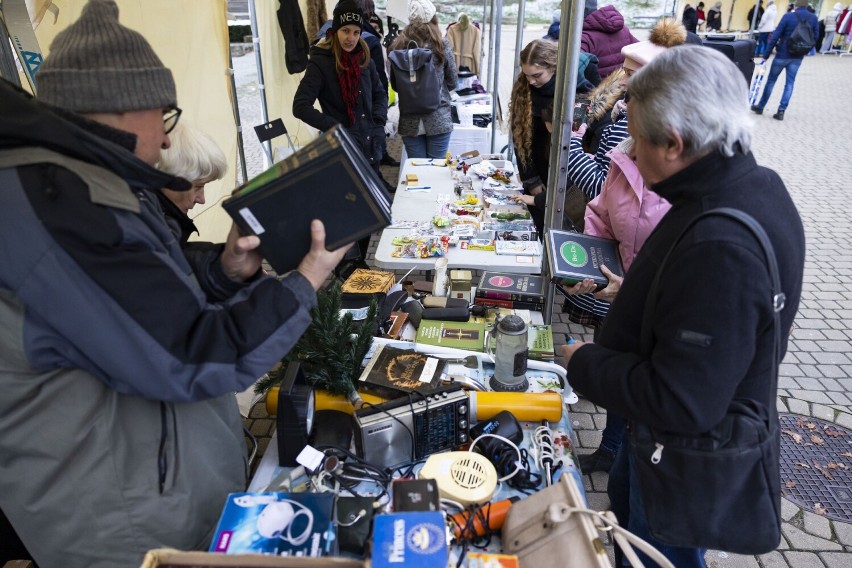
pixel 415 187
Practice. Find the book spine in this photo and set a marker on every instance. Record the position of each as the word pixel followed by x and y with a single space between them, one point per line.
pixel 509 304
pixel 513 296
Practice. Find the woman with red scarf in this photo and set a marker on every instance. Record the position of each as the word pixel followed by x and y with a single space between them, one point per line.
pixel 342 76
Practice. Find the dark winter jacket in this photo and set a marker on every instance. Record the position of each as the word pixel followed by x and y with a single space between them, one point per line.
pixel 712 325
pixel 119 352
pixel 690 19
pixel 714 20
pixel 371 108
pixel 785 28
pixel 604 34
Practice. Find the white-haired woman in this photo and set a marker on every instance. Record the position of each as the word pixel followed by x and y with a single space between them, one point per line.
pixel 712 332
pixel 197 158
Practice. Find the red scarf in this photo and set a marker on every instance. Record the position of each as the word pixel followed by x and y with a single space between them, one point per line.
pixel 349 79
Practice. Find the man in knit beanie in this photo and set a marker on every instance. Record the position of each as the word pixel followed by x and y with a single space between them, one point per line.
pixel 120 350
pixel 98 67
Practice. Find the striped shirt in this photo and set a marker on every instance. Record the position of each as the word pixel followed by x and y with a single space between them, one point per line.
pixel 588 172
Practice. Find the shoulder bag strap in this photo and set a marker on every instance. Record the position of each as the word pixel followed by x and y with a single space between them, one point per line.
pixel 777 297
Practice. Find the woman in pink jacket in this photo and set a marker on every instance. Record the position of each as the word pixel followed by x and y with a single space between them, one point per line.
pixel 626 211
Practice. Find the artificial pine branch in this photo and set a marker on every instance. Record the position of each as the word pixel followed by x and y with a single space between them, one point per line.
pixel 330 359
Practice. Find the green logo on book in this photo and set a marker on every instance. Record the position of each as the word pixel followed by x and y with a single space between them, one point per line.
pixel 574 254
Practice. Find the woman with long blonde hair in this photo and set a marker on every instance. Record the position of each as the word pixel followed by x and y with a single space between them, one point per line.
pixel 533 92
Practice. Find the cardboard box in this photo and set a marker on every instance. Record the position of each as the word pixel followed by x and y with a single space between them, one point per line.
pixel 169 558
pixel 460 281
pixel 286 524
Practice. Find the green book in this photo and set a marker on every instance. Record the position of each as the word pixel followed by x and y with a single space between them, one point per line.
pixel 458 335
pixel 539 342
pixel 573 257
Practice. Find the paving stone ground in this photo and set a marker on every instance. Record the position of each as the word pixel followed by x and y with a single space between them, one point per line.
pixel 812 151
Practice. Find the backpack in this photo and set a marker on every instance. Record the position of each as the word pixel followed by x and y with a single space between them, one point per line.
pixel 801 41
pixel 415 80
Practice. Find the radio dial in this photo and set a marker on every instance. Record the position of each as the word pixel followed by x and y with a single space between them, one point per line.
pixel 462 409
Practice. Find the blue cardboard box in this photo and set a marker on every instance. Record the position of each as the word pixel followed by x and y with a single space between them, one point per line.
pixel 413 540
pixel 283 524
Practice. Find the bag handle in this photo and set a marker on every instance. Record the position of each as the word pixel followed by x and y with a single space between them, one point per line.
pixel 604 521
pixel 777 297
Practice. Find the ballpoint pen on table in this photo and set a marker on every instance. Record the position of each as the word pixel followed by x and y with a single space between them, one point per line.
pixel 418 187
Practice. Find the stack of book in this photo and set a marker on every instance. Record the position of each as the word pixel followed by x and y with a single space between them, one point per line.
pixel 512 291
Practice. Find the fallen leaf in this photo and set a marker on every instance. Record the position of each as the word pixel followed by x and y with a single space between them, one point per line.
pixel 846 454
pixel 800 422
pixel 833 433
pixel 804 465
pixel 794 435
pixel 819 509
pixel 825 473
pixel 790 484
pixel 817 440
pixel 810 426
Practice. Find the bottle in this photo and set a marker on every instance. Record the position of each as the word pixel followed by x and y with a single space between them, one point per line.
pixel 510 357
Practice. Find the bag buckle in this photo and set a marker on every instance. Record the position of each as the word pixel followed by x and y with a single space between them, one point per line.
pixel 778 301
pixel 412 72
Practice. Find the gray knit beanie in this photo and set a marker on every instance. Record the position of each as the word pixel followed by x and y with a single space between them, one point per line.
pixel 98 65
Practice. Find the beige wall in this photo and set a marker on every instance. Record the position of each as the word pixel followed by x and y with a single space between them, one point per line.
pixel 191 37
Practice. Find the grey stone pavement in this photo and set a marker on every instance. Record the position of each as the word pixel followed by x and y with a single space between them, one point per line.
pixel 812 151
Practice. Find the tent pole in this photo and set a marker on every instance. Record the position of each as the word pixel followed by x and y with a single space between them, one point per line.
pixel 495 92
pixel 235 104
pixel 519 40
pixel 563 112
pixel 8 69
pixel 264 114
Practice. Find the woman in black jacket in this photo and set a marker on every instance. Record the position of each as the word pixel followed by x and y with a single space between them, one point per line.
pixel 342 76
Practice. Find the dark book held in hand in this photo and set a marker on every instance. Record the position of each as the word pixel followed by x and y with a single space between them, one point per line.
pixel 329 179
pixel 394 372
pixel 573 257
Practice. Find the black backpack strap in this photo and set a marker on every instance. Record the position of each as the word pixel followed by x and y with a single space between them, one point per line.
pixel 777 297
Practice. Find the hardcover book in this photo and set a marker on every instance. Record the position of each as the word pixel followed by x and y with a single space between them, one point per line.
pixel 363 281
pixel 328 179
pixel 458 335
pixel 573 257
pixel 500 286
pixel 411 539
pixel 508 304
pixel 283 524
pixel 393 372
pixel 539 342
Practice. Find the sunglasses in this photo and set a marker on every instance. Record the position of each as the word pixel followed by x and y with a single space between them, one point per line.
pixel 170 119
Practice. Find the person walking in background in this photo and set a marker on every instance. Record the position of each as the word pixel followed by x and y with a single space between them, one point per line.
pixel 831 27
pixel 784 60
pixel 195 157
pixel 710 345
pixel 702 18
pixel 714 17
pixel 752 21
pixel 428 135
pixel 690 18
pixel 765 27
pixel 604 34
pixel 344 79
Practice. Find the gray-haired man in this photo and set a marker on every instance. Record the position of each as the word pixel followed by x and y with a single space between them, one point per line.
pixel 119 353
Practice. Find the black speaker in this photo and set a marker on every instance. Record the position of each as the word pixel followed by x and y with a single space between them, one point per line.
pixel 740 51
pixel 295 415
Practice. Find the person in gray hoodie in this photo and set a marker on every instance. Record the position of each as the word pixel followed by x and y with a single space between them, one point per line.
pixel 120 352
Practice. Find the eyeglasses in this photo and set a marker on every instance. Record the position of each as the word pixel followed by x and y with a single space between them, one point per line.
pixel 170 119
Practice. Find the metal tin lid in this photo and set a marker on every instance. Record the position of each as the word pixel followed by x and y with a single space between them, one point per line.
pixel 512 325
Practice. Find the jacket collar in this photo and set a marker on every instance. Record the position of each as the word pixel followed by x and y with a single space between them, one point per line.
pixel 704 176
